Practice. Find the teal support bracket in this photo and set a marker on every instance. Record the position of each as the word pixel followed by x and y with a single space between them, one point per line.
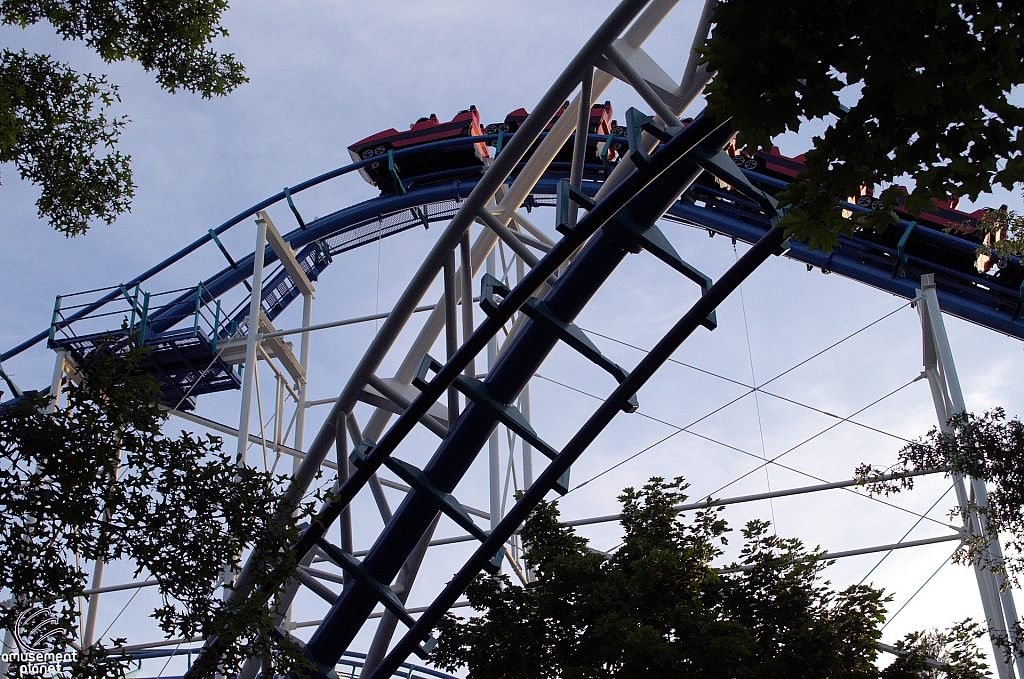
pixel 143 319
pixel 510 416
pixel 295 211
pixel 604 155
pixel 499 143
pixel 445 502
pixel 417 212
pixel 384 594
pixel 651 239
pixel 135 307
pixel 721 166
pixel 655 242
pixel 564 194
pixel 420 213
pixel 227 256
pixel 53 322
pixel 901 256
pixel 636 124
pixel 569 333
pixel 199 306
pixel 393 170
pixel 324 250
pixel 133 302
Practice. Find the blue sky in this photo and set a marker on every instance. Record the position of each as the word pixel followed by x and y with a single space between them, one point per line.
pixel 324 74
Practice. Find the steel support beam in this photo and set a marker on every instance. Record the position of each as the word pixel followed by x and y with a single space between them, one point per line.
pixel 493 179
pixel 584 437
pixel 403 586
pixel 451 328
pixel 579 149
pixel 599 257
pixel 300 413
pixel 466 294
pixel 996 597
pixel 57 381
pixel 250 345
pixel 494 440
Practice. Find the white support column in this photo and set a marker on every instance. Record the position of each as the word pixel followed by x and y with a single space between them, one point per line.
pixel 94 605
pixel 8 647
pixel 524 407
pixel 693 82
pixel 948 398
pixel 494 443
pixel 279 411
pixel 300 415
pixel 58 379
pixel 579 149
pixel 250 344
pixel 466 271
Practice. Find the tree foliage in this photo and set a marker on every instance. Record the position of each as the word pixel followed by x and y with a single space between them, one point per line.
pixel 932 84
pixel 989 447
pixel 657 607
pixel 952 654
pixel 97 479
pixel 54 122
pixel 1004 233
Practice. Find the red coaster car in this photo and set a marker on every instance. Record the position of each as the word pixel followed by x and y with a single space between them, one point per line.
pixel 600 123
pixel 944 216
pixel 430 166
pixel 771 164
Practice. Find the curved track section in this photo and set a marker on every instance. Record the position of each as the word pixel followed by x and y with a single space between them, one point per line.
pixel 674 171
pixel 967 294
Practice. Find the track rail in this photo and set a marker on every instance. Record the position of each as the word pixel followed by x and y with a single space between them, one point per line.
pixel 552 289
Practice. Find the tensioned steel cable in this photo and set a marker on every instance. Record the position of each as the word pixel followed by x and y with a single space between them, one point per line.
pixel 823 431
pixel 169 658
pixel 679 430
pixel 752 389
pixel 784 372
pixel 923 585
pixel 905 536
pixel 123 609
pixel 757 401
pixel 759 389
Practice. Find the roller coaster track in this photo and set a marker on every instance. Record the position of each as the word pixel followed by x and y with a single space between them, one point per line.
pixel 658 180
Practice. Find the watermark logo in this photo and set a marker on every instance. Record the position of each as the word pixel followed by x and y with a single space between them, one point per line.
pixel 36 631
pixel 38 636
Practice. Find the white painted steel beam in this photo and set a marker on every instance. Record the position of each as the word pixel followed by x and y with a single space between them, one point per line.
pixel 231 431
pixel 249 374
pixel 234 351
pixel 120 588
pixel 641 19
pixel 627 73
pixel 337 324
pixel 300 413
pixel 828 556
pixel 285 253
pixel 947 396
pixel 660 82
pixel 57 381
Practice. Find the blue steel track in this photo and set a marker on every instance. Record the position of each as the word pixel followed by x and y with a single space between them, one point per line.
pixel 640 200
pixel 972 297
